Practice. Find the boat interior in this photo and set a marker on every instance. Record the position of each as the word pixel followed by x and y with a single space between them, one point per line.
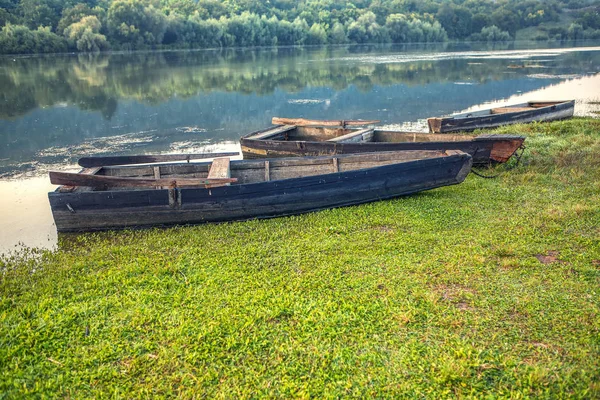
pixel 244 171
pixel 345 135
pixel 532 105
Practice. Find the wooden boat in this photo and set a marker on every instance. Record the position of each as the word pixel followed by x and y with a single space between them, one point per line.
pixel 516 114
pixel 116 197
pixel 295 140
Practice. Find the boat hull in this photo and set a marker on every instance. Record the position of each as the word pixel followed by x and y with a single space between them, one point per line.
pixel 484 119
pixel 119 209
pixel 485 149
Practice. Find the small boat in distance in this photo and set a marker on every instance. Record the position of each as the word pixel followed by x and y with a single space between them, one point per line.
pixel 135 196
pixel 493 117
pixel 328 139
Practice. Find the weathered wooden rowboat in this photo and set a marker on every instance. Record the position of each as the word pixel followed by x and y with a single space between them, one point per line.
pixel 493 117
pixel 118 197
pixel 293 140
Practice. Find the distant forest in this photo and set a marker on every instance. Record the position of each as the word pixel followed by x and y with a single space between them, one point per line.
pixel 50 26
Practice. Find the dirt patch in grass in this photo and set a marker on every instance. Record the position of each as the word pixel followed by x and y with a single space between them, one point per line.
pixel 384 228
pixel 548 258
pixel 458 295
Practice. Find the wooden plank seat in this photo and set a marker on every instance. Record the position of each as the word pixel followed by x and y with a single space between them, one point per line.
pixel 363 135
pixel 504 110
pixel 274 132
pixel 220 169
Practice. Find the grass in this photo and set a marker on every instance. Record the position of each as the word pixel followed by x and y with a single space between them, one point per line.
pixel 488 288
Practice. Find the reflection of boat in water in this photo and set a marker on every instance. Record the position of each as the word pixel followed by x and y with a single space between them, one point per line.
pixel 493 117
pixel 170 194
pixel 303 138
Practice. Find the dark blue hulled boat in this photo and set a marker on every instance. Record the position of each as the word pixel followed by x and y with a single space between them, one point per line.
pixel 116 197
pixel 515 114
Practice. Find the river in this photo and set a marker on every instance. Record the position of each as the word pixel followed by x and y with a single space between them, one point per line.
pixel 55 109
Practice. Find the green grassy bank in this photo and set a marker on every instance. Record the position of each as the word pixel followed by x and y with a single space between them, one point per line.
pixel 488 287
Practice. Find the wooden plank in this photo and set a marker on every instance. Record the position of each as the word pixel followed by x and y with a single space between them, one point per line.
pixel 100 181
pixel 539 104
pixel 503 110
pixel 86 171
pixel 157 175
pixel 90 162
pixel 356 136
pixel 267 171
pixel 272 132
pixel 219 168
pixel 304 122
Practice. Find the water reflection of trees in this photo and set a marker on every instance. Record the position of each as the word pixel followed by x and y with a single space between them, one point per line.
pixel 98 82
pixel 95 82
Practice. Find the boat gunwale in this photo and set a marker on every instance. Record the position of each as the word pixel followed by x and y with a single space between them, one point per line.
pixel 468 115
pixel 467 138
pixel 441 154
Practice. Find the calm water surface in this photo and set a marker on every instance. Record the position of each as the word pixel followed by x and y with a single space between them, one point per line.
pixel 55 109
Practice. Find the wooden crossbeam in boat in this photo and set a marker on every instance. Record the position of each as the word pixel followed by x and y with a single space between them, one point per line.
pixel 504 110
pixel 364 135
pixel 102 181
pixel 86 171
pixel 157 175
pixel 219 169
pixel 273 132
pixel 540 104
pixel 313 122
pixel 267 171
pixel 336 164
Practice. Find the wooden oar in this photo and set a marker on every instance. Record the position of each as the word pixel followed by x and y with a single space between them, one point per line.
pixel 90 162
pixel 314 122
pixel 102 181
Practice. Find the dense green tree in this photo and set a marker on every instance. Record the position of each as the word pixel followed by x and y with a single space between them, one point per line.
pixel 76 13
pixel 316 35
pixel 575 31
pixel 491 34
pixel 213 8
pixel 6 17
pixel 20 39
pixel 203 33
pixel 480 21
pixel 86 35
pixel 456 20
pixel 143 24
pixel 182 7
pixel 398 28
pixel 366 30
pixel 589 19
pixel 40 12
pixel 403 30
pixel 135 24
pixel 337 34
pixel 506 20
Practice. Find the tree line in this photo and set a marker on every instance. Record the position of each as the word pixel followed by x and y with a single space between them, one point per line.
pixel 48 26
